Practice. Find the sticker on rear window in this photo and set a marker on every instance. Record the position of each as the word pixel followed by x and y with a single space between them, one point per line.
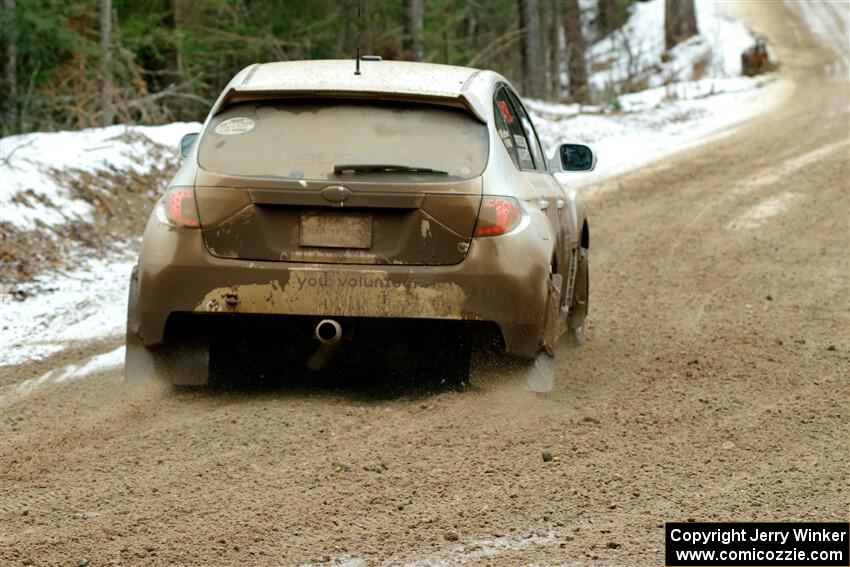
pixel 233 126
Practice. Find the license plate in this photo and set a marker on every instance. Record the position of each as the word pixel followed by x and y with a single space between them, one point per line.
pixel 336 230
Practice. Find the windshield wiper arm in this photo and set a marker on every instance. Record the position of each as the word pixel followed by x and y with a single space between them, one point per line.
pixel 383 168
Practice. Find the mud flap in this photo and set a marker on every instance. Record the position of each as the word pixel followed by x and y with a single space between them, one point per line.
pixel 554 325
pixel 540 376
pixel 138 361
pixel 578 310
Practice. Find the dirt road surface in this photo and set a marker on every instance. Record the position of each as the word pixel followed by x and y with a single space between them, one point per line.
pixel 714 386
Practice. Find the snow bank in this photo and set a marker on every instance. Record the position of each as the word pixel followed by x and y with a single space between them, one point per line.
pixel 29 193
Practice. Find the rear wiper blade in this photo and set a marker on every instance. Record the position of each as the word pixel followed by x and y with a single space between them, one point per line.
pixel 383 168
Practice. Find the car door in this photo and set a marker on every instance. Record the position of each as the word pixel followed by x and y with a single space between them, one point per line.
pixel 532 162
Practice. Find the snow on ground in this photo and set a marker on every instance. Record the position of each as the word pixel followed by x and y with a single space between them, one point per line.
pixel 100 363
pixel 88 303
pixel 693 92
pixel 657 124
pixel 829 22
pixel 761 213
pixel 28 192
pixel 635 54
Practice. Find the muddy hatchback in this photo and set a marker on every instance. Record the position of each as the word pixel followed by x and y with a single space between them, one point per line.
pixel 323 217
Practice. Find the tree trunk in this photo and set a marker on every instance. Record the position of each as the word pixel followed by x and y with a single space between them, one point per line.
pixel 609 17
pixel 413 16
pixel 107 110
pixel 532 63
pixel 680 21
pixel 576 58
pixel 554 49
pixel 177 12
pixel 472 28
pixel 10 72
pixel 603 17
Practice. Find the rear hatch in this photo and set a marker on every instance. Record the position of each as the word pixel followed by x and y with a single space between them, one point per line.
pixel 341 181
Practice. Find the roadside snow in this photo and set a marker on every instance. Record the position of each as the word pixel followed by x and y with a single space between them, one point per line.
pixel 29 194
pixel 89 303
pixel 829 21
pixel 761 213
pixel 660 122
pixel 693 93
pixel 100 363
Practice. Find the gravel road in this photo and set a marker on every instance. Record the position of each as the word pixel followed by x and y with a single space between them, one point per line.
pixel 713 385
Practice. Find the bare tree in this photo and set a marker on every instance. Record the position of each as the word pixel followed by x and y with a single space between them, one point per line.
pixel 576 56
pixel 554 50
pixel 10 72
pixel 680 21
pixel 177 12
pixel 107 110
pixel 413 17
pixel 610 15
pixel 473 25
pixel 532 63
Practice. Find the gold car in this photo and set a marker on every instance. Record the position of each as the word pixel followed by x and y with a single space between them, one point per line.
pixel 322 215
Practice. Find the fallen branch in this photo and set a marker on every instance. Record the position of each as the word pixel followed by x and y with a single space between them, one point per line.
pixel 6 161
pixel 169 91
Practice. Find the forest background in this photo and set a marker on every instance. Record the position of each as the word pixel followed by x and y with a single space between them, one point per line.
pixel 70 64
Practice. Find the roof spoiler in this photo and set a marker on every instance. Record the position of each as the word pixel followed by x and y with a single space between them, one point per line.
pixel 234 95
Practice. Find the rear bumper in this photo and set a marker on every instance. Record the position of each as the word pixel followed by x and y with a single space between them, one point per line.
pixel 502 280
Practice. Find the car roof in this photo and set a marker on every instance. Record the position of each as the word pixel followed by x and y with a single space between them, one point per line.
pixel 401 77
pixel 461 85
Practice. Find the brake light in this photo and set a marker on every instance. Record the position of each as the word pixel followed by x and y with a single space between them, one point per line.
pixel 498 215
pixel 178 208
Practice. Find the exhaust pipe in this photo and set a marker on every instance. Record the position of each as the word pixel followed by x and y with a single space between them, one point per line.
pixel 329 332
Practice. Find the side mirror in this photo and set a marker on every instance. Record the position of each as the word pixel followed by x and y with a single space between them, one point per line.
pixel 576 157
pixel 187 142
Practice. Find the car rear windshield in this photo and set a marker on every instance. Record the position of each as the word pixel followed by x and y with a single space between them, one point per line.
pixel 295 139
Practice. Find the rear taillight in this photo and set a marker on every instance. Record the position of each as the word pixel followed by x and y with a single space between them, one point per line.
pixel 498 215
pixel 178 208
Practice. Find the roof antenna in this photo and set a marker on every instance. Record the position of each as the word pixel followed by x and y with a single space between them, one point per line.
pixel 357 64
